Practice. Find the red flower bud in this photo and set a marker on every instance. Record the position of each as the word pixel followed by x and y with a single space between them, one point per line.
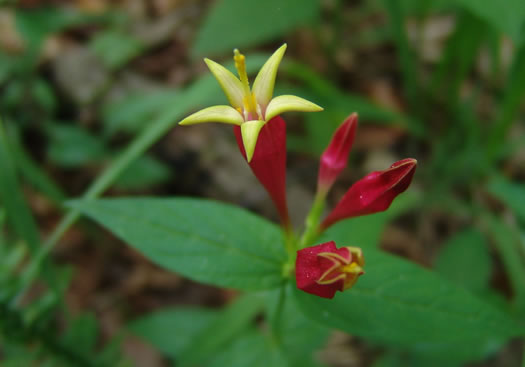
pixel 335 157
pixel 324 269
pixel 269 162
pixel 373 193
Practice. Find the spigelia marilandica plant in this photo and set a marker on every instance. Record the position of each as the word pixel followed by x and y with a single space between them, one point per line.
pixel 261 136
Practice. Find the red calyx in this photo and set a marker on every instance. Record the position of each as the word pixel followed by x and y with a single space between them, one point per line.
pixel 373 193
pixel 269 162
pixel 335 156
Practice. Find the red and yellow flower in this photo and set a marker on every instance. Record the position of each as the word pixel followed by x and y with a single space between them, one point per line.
pixel 324 269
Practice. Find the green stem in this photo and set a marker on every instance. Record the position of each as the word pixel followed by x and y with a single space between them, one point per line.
pixel 507 242
pixel 406 57
pixel 312 220
pixel 276 315
pixel 149 136
pixel 510 105
pixel 18 212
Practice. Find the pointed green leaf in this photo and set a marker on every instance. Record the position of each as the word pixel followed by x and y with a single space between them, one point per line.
pixel 250 132
pixel 450 263
pixel 265 80
pixel 224 114
pixel 230 84
pixel 207 241
pixel 511 193
pixel 402 303
pixel 221 332
pixel 302 339
pixel 289 103
pixel 252 348
pixel 242 24
pixel 172 330
pixel 508 18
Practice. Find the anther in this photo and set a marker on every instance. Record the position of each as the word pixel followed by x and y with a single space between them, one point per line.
pixel 249 103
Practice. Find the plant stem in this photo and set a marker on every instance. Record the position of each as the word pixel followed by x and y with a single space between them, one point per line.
pixel 18 212
pixel 276 315
pixel 507 242
pixel 312 220
pixel 149 136
pixel 406 57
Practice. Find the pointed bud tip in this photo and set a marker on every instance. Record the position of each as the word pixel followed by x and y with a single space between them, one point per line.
pixel 406 162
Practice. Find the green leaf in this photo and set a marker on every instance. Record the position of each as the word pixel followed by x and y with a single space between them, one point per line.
pixel 509 106
pixel 204 240
pixel 406 57
pixel 301 338
pixel 116 48
pixel 82 334
pixel 241 23
pixel 444 353
pixel 508 19
pixel 132 112
pixel 458 58
pixel 252 348
pixel 72 146
pixel 36 24
pixel 401 303
pixel 512 194
pixel 452 263
pixel 143 173
pixel 173 330
pixel 34 173
pixel 19 213
pixel 227 326
pixel 507 242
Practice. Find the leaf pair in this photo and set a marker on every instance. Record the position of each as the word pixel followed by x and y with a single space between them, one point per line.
pixel 396 302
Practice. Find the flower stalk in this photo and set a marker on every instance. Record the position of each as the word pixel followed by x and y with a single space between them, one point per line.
pixel 312 220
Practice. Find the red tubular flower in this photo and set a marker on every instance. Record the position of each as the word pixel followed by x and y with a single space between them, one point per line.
pixel 373 193
pixel 324 269
pixel 335 157
pixel 269 162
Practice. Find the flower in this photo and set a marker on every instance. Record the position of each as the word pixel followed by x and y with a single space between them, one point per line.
pixel 373 193
pixel 335 157
pixel 251 108
pixel 324 269
pixel 268 163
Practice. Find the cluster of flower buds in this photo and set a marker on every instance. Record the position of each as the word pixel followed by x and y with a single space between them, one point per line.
pixel 261 136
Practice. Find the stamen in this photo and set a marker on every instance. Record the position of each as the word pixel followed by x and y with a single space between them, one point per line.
pixel 352 268
pixel 249 99
pixel 240 65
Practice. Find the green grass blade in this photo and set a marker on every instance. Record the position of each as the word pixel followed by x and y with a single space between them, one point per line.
pixel 510 105
pixel 458 59
pixel 34 174
pixel 507 244
pixel 11 194
pixel 407 58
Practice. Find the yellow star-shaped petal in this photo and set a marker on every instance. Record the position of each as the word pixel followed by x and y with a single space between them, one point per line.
pixel 251 108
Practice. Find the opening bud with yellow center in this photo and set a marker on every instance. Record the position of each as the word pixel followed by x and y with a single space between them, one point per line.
pixel 323 270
